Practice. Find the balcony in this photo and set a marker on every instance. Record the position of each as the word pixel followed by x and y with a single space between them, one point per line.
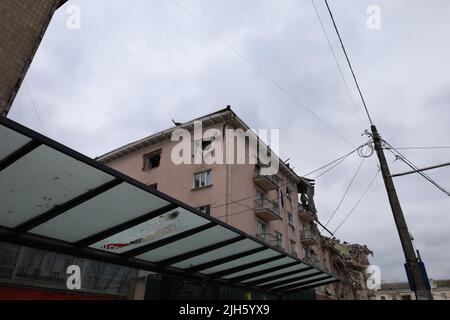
pixel 267 210
pixel 353 262
pixel 308 238
pixel 270 239
pixel 312 260
pixel 305 214
pixel 266 183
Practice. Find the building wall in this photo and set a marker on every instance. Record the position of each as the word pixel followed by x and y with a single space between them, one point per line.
pixel 232 198
pixel 22 27
pixel 230 183
pixel 440 290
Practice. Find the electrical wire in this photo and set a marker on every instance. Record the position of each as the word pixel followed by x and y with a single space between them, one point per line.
pixel 414 167
pixel 349 63
pixel 339 160
pixel 417 148
pixel 245 198
pixel 345 193
pixel 34 106
pixel 335 162
pixel 261 72
pixel 357 202
pixel 331 168
pixel 337 63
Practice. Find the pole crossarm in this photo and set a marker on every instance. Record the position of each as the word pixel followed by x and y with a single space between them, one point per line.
pixel 420 170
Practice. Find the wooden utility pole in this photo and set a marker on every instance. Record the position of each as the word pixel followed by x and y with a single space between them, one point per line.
pixel 415 268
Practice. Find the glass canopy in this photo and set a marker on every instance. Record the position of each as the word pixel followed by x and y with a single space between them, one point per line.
pixel 53 198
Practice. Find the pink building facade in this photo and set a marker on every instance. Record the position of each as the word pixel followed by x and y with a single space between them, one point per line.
pixel 267 207
pixel 279 209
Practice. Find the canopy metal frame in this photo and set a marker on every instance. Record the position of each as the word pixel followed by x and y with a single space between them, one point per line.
pixel 21 234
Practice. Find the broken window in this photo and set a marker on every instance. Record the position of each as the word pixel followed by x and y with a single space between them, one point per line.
pixel 288 193
pixel 205 144
pixel 293 248
pixel 202 179
pixel 205 209
pixel 279 239
pixel 152 160
pixel 290 218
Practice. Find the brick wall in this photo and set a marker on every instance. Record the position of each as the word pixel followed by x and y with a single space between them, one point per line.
pixel 22 26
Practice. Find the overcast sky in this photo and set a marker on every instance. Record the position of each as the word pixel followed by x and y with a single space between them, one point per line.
pixel 130 69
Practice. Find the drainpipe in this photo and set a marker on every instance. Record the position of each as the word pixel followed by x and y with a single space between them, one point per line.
pixel 228 170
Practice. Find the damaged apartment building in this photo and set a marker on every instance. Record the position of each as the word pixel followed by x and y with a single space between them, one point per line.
pixel 278 209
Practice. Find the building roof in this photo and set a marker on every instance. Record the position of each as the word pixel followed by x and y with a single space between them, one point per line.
pixel 222 115
pixel 56 199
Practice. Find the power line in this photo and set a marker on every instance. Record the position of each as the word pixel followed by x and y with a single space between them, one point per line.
pixel 245 198
pixel 345 193
pixel 342 158
pixel 34 106
pixel 261 72
pixel 252 208
pixel 331 168
pixel 349 64
pixel 357 202
pixel 330 163
pixel 337 63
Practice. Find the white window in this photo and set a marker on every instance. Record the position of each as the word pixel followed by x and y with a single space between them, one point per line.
pixel 279 239
pixel 205 209
pixel 293 248
pixel 202 179
pixel 261 227
pixel 290 218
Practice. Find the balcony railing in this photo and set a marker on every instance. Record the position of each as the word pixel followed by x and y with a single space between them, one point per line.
pixel 305 214
pixel 266 182
pixel 267 210
pixel 312 259
pixel 307 237
pixel 270 239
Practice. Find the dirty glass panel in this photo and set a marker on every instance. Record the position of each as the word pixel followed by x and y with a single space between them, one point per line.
pixel 166 225
pixel 274 273
pixel 261 267
pixel 10 141
pixel 28 267
pixel 299 274
pixel 115 206
pixel 299 282
pixel 41 180
pixel 196 241
pixel 239 262
pixel 229 250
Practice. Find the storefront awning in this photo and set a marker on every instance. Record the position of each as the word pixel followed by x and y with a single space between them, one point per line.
pixel 56 199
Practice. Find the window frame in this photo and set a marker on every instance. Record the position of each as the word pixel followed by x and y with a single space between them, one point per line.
pixel 207 207
pixel 279 237
pixel 290 218
pixel 148 156
pixel 293 245
pixel 259 222
pixel 207 179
